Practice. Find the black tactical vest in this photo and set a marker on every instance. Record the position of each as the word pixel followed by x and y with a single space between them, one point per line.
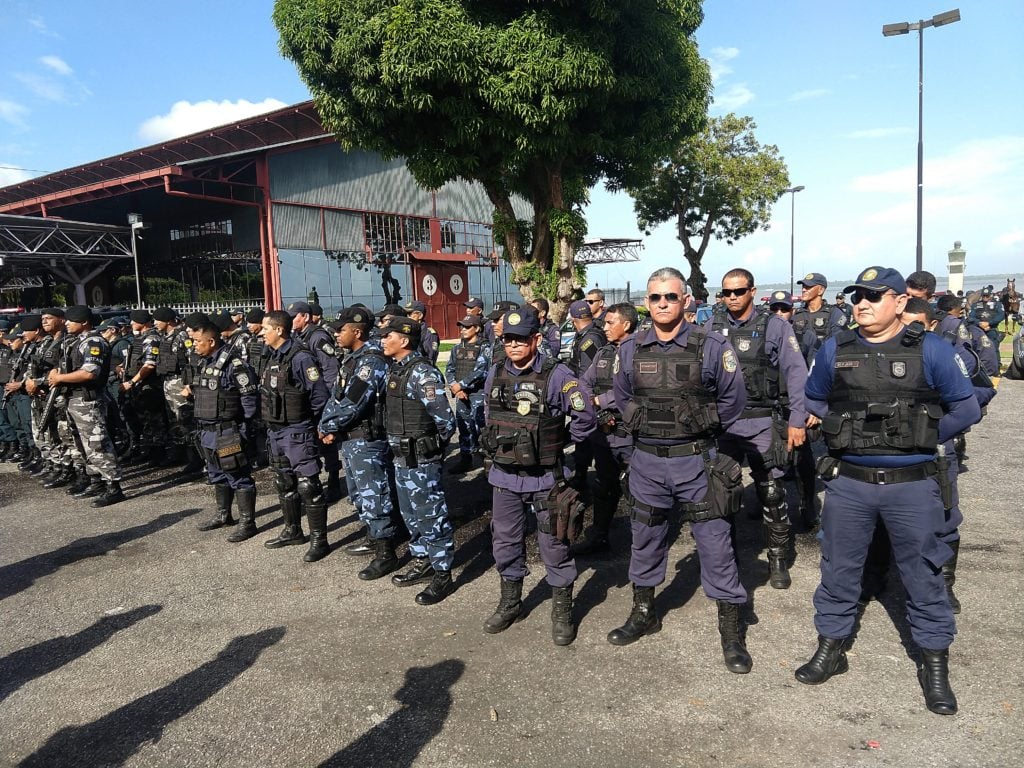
pixel 371 425
pixel 257 353
pixel 173 353
pixel 46 356
pixel 465 358
pixel 284 400
pixel 604 365
pixel 803 319
pixel 498 356
pixel 239 340
pixel 407 418
pixel 764 385
pixel 521 432
pixel 592 333
pixel 881 404
pixel 74 358
pixel 668 389
pixel 213 401
pixel 6 364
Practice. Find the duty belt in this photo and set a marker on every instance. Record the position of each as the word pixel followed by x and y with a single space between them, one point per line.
pixel 694 448
pixel 889 475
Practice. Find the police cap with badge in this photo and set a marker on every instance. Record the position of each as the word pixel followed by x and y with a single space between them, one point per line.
pixel 299 308
pixel 354 316
pixel 415 306
pixel 879 279
pixel 812 279
pixel 405 327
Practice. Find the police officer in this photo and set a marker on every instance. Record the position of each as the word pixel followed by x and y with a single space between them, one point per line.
pixel 678 387
pixel 529 397
pixel 595 300
pixel 585 345
pixel 551 334
pixel 19 403
pixel 354 416
pixel 887 402
pixel 254 324
pixel 420 423
pixel 8 437
pixel 499 310
pixel 773 369
pixel 256 357
pixel 234 332
pixel 845 308
pixel 143 387
pixel 292 395
pixel 173 369
pixel 611 443
pixel 226 395
pixel 465 374
pixel 54 438
pixel 321 344
pixel 430 342
pixel 816 314
pixel 987 313
pixel 83 374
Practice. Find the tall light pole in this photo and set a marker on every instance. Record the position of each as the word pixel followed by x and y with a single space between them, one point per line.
pixel 792 231
pixel 902 28
pixel 135 222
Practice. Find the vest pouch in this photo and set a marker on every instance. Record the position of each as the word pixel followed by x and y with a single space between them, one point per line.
pixel 428 448
pixel 703 418
pixel 771 384
pixel 925 425
pixel 724 495
pixel 837 427
pixel 229 449
pixel 524 450
pixel 489 440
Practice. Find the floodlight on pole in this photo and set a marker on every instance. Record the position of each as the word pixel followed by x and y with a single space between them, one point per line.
pixel 792 231
pixel 902 28
pixel 135 222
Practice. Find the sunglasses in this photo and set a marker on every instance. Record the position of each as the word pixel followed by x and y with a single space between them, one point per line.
pixel 510 341
pixel 736 291
pixel 594 301
pixel 671 298
pixel 873 297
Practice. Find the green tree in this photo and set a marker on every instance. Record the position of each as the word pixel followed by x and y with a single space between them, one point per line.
pixel 719 183
pixel 538 98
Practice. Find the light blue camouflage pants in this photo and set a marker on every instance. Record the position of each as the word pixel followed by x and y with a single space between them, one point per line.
pixel 366 472
pixel 422 504
pixel 469 415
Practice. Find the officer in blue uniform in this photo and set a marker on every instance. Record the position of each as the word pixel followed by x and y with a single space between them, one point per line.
pixel 987 313
pixel 420 422
pixel 293 395
pixel 679 387
pixel 500 308
pixel 774 370
pixel 354 416
pixel 589 339
pixel 551 334
pixel 887 402
pixel 845 308
pixel 430 342
pixel 226 397
pixel 611 443
pixel 816 314
pixel 465 374
pixel 529 397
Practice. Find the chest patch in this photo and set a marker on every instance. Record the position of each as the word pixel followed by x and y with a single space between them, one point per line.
pixel 898 368
pixel 523 408
pixel 847 363
pixel 743 345
pixel 649 366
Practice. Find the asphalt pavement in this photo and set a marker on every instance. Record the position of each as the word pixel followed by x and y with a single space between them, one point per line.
pixel 130 638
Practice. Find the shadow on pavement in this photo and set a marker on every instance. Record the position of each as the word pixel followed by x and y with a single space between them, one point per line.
pixel 23 574
pixel 42 658
pixel 426 701
pixel 115 737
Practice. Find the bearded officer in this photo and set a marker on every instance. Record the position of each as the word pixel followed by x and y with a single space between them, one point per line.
pixel 773 369
pixel 679 387
pixel 529 397
pixel 226 400
pixel 292 395
pixel 420 423
pixel 465 374
pixel 887 401
pixel 354 416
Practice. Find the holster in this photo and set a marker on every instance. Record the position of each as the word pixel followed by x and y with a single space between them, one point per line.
pixel 724 495
pixel 777 456
pixel 565 512
pixel 945 486
pixel 229 449
pixel 827 467
pixel 407 447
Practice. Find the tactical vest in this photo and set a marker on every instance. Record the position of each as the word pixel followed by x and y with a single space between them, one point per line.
pixel 576 355
pixel 818 321
pixel 407 418
pixel 213 402
pixel 173 354
pixel 465 358
pixel 46 356
pixel 498 356
pixel 764 385
pixel 668 389
pixel 75 358
pixel 136 356
pixel 257 353
pixel 604 365
pixel 881 404
pixel 371 426
pixel 521 432
pixel 284 400
pixel 6 364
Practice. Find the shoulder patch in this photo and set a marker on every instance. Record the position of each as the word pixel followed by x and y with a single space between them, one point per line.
pixel 961 366
pixel 94 351
pixel 793 343
pixel 364 373
pixel 587 344
pixel 986 341
pixel 327 348
pixel 154 350
pixel 570 385
pixel 429 392
pixel 576 401
pixel 313 373
pixel 243 380
pixel 729 361
pixel 962 332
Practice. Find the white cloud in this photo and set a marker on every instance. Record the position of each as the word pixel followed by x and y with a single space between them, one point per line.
pixel 1009 240
pixel 39 24
pixel 42 86
pixel 186 117
pixel 57 64
pixel 12 175
pixel 814 93
pixel 876 133
pixel 717 61
pixel 733 98
pixel 13 113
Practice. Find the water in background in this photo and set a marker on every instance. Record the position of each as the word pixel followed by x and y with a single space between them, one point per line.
pixel 971 283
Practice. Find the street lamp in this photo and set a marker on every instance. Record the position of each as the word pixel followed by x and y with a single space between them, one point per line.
pixel 792 230
pixel 135 222
pixel 902 28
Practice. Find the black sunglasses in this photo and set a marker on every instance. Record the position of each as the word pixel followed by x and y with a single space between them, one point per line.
pixel 594 301
pixel 873 297
pixel 737 291
pixel 671 298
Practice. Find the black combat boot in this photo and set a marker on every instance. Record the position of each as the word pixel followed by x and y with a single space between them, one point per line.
pixel 463 465
pixel 29 456
pixel 38 462
pixel 734 648
pixel 933 674
pixel 361 548
pixel 596 539
pixel 384 562
pixel 643 619
pixel 82 481
pixel 245 498
pixel 509 609
pixel 112 495
pixel 316 514
pixel 6 448
pixel 291 533
pixel 949 575
pixel 170 457
pixel 332 491
pixel 95 487
pixel 66 476
pixel 421 570
pixel 779 544
pixel 440 586
pixel 225 496
pixel 563 629
pixel 44 471
pixel 828 660
pixel 20 452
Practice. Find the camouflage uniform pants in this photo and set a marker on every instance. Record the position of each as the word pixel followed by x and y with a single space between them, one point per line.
pixel 46 441
pixel 422 504
pixel 68 444
pixel 90 421
pixel 180 419
pixel 469 416
pixel 148 404
pixel 366 469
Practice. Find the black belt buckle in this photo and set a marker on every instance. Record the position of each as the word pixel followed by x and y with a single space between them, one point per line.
pixel 880 477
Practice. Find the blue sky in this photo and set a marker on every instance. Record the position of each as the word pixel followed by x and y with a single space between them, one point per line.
pixel 85 80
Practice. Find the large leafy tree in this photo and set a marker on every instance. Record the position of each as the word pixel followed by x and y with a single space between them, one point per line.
pixel 718 183
pixel 538 98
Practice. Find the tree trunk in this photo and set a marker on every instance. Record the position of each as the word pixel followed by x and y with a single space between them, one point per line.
pixel 559 304
pixel 697 281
